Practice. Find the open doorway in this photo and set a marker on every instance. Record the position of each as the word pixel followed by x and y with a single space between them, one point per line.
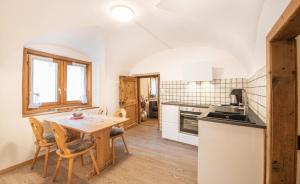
pixel 148 93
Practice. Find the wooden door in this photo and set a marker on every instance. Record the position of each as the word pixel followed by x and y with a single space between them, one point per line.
pixel 128 98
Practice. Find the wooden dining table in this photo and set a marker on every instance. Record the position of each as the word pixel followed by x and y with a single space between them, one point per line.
pixel 99 127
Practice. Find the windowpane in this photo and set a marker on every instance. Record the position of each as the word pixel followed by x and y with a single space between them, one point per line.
pixel 76 83
pixel 43 80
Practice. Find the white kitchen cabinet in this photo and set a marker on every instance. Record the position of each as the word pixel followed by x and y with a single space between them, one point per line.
pixel 188 139
pixel 170 131
pixel 170 126
pixel 170 113
pixel 235 154
pixel 170 122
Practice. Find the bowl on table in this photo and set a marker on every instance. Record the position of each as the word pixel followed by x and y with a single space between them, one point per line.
pixel 77 115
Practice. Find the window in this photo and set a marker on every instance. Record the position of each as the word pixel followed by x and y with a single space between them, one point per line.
pixel 76 82
pixel 51 81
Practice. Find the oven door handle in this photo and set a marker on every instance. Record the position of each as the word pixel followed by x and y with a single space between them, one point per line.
pixel 189 115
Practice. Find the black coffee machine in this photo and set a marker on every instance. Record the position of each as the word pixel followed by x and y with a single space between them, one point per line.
pixel 236 97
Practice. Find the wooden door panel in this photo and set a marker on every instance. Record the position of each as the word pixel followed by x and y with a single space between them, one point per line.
pixel 129 99
pixel 132 115
pixel 130 91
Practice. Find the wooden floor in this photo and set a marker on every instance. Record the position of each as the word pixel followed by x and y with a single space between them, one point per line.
pixel 153 160
pixel 150 122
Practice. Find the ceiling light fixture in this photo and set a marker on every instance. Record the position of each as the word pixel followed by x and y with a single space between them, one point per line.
pixel 122 13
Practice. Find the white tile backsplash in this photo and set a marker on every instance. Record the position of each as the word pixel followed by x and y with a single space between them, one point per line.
pixel 218 91
pixel 257 95
pixel 215 92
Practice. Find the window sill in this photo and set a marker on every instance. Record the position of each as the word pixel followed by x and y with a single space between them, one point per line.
pixel 59 110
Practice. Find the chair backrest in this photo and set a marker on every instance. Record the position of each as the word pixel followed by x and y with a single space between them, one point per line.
pixel 61 137
pixel 37 129
pixel 119 114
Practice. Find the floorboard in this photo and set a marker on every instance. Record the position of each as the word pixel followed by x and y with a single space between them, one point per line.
pixel 153 160
pixel 150 122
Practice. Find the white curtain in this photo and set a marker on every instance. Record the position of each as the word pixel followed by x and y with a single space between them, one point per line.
pixel 43 81
pixel 76 82
pixel 153 87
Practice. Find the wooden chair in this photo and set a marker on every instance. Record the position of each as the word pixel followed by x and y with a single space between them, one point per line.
pixel 117 132
pixel 71 150
pixel 42 141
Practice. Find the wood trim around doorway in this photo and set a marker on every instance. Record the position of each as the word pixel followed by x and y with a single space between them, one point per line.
pixel 282 108
pixel 158 95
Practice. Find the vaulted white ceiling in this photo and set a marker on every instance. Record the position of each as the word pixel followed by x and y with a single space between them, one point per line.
pixel 230 25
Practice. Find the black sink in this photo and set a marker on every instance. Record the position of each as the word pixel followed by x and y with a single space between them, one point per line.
pixel 239 117
pixel 216 115
pixel 227 113
pixel 229 116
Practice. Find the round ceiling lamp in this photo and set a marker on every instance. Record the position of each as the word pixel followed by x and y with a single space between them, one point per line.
pixel 122 13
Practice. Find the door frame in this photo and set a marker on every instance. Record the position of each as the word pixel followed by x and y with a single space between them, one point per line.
pixel 282 97
pixel 158 95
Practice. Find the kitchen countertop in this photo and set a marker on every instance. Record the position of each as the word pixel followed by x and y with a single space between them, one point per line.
pixel 254 120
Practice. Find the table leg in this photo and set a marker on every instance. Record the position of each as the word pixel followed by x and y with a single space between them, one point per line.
pixel 103 151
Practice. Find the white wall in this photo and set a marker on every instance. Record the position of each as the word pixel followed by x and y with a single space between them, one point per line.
pixel 169 63
pixel 271 12
pixel 111 85
pixel 16 136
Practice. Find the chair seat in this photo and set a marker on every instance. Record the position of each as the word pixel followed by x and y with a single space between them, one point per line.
pixel 116 131
pixel 49 137
pixel 79 145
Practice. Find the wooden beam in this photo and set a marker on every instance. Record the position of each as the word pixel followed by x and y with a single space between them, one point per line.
pixel 282 112
pixel 288 25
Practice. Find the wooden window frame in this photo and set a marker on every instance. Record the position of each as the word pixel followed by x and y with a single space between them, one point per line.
pixel 62 103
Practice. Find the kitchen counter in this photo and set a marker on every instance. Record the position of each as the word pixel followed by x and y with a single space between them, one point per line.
pixel 235 154
pixel 254 120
